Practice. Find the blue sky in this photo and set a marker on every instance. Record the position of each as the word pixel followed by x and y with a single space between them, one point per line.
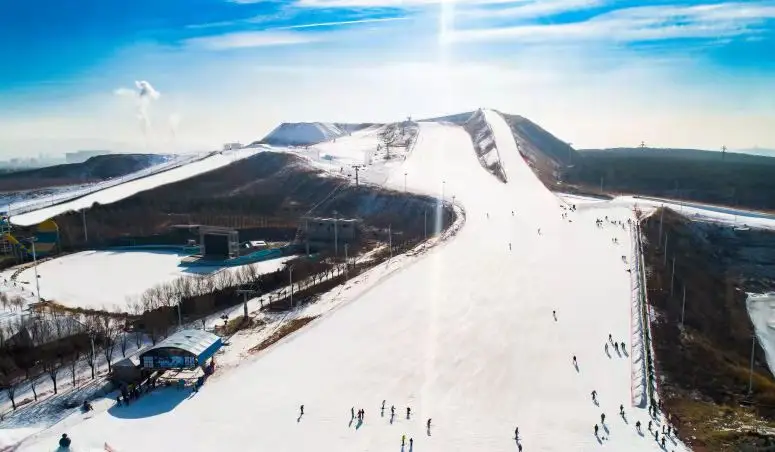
pixel 594 72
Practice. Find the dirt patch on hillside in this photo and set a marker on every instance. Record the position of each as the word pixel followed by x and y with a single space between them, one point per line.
pixel 286 329
pixel 703 366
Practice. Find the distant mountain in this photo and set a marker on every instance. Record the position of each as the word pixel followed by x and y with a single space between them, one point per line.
pixel 756 151
pixel 95 169
pixel 682 154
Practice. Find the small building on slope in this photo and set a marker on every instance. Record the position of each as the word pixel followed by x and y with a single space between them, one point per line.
pixel 186 349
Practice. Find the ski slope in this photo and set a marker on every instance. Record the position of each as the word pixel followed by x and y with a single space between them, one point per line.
pixel 464 335
pixel 118 192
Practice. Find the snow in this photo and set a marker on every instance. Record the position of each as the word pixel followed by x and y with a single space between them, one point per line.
pixel 303 133
pixel 761 309
pixel 111 279
pixel 125 189
pixel 462 333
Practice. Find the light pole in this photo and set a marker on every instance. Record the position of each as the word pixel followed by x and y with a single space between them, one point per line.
pixel 443 186
pixel 346 263
pixel 750 372
pixel 35 267
pixel 290 281
pixel 85 230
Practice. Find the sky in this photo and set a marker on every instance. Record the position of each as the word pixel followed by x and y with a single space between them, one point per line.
pixel 189 75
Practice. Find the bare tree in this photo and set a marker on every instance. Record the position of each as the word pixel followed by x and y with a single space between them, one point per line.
pixel 90 356
pixel 8 378
pixel 51 365
pixel 109 332
pixel 74 358
pixel 124 343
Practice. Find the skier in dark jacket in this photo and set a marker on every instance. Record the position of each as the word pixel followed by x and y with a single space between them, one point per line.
pixel 64 441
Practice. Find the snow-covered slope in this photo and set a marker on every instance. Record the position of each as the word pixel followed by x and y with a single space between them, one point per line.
pixel 464 335
pixel 302 134
pixel 135 185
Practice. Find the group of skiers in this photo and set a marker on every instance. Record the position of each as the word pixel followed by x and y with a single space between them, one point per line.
pixel 616 345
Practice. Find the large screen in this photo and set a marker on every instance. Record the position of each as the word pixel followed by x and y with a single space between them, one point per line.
pixel 216 245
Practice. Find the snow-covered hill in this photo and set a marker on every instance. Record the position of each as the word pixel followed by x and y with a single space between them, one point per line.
pixel 464 335
pixel 303 134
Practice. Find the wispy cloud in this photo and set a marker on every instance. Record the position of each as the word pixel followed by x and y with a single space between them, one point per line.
pixel 393 3
pixel 532 8
pixel 339 23
pixel 645 23
pixel 248 39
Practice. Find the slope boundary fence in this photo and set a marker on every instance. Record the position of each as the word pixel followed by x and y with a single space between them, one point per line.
pixel 645 316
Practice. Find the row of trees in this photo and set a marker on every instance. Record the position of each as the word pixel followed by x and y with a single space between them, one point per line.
pixel 55 344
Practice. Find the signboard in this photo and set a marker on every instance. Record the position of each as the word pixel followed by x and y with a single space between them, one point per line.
pixel 169 362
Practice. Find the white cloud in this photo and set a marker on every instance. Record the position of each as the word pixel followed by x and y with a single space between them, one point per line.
pixel 395 3
pixel 645 23
pixel 248 39
pixel 534 8
pixel 344 22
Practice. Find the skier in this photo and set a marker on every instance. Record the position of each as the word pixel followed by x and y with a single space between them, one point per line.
pixel 516 433
pixel 637 426
pixel 594 395
pixel 509 246
pixel 610 338
pixel 301 410
pixel 519 447
pixel 488 215
pixel 411 443
pixel 408 412
pixel 512 213
pixel 606 348
pixel 352 412
pixel 64 441
pixel 621 410
pixel 650 425
pixel 602 418
pixel 575 363
pixel 383 404
pixel 663 442
pixel 616 347
pixel 392 410
pixel 403 440
pixel 595 429
pixel 539 231
pixel 429 423
pixel 554 313
pixel 622 347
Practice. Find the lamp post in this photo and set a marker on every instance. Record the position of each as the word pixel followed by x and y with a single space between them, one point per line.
pixel 35 268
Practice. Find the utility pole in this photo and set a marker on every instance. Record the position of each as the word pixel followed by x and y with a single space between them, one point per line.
pixel 357 168
pixel 85 230
pixel 336 236
pixel 642 145
pixel 661 218
pixel 683 308
pixel 35 267
pixel 750 372
pixel 443 185
pixel 290 281
pixel 306 235
pixel 672 278
pixel 665 261
pixel 390 241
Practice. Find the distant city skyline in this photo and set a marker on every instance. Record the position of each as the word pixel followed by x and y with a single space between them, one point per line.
pixel 168 77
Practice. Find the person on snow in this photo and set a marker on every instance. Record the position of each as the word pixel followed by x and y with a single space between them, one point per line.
pixel 575 363
pixel 408 412
pixel 509 246
pixel 595 429
pixel 621 410
pixel 663 442
pixel 622 346
pixel 352 412
pixel 403 440
pixel 602 418
pixel 428 424
pixel 516 433
pixel 594 395
pixel 637 426
pixel 411 443
pixel 650 425
pixel 554 314
pixel 610 338
pixel 383 404
pixel 616 347
pixel 64 441
pixel 606 348
pixel 301 410
pixel 392 410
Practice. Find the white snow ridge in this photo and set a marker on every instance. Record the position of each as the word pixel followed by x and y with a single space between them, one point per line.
pixel 302 134
pixel 463 334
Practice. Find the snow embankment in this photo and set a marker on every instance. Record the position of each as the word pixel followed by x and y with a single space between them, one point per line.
pixel 761 309
pixel 118 192
pixel 303 134
pixel 484 144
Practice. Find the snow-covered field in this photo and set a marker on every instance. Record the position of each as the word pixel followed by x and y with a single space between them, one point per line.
pixel 463 334
pixel 112 191
pixel 112 279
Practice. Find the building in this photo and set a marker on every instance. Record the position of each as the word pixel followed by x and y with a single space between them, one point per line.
pixel 218 243
pixel 127 370
pixel 82 156
pixel 186 349
pixel 232 146
pixel 331 229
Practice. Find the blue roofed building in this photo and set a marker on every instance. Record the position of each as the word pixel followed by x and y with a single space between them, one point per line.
pixel 186 349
